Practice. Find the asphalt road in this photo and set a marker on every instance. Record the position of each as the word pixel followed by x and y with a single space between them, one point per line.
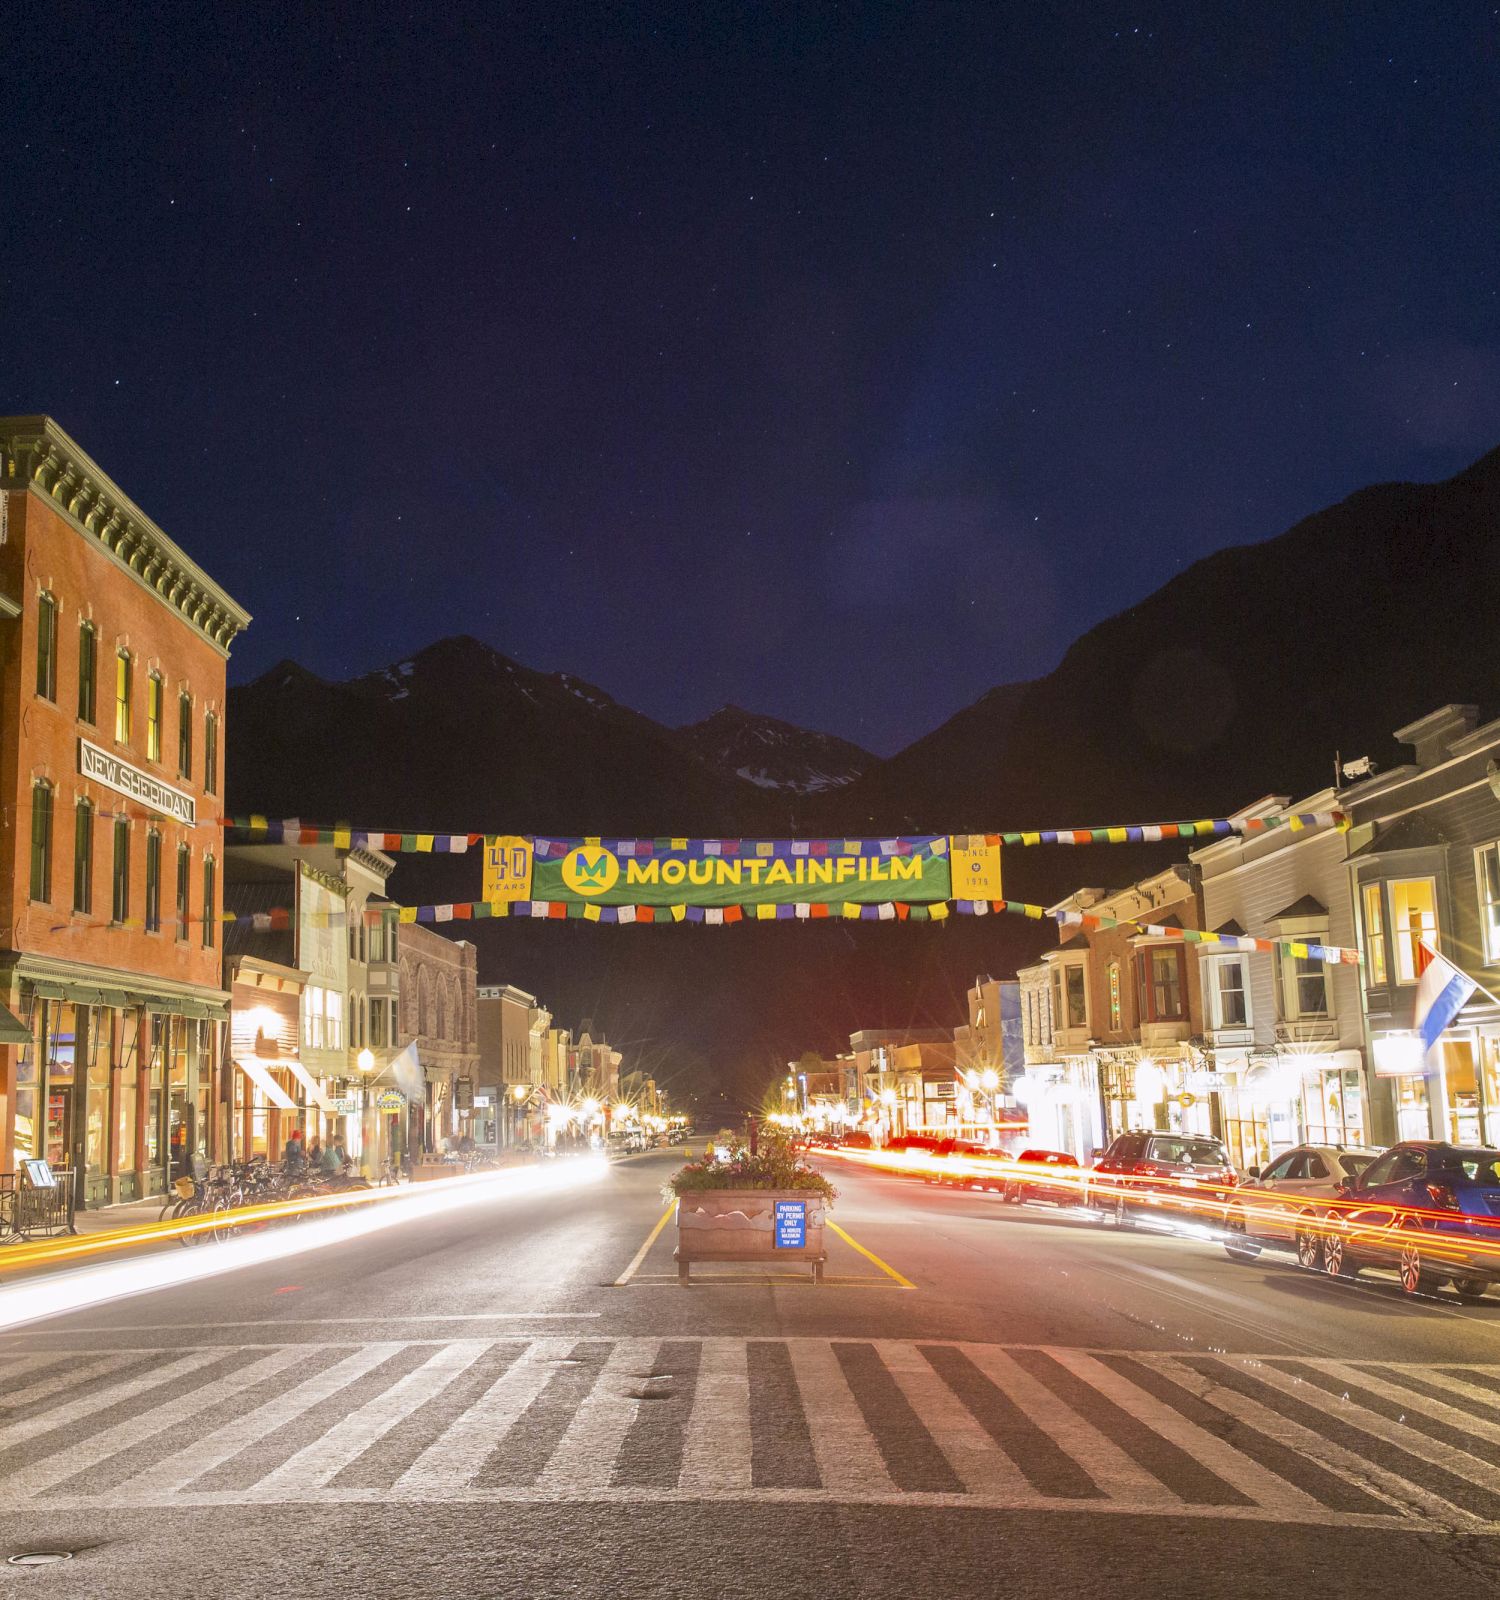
pixel 984 1400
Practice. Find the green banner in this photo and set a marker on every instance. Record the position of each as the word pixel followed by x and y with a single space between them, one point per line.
pixel 760 872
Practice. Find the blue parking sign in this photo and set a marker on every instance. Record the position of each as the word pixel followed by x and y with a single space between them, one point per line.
pixel 791 1224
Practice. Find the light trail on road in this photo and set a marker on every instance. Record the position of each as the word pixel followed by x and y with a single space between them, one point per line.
pixel 1205 1209
pixel 32 1299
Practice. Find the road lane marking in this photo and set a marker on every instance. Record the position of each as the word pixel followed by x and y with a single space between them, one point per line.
pixel 1298 1451
pixel 977 1461
pixel 372 1319
pixel 717 1442
pixel 641 1254
pixel 870 1255
pixel 1117 1474
pixel 1259 1483
pixel 102 1399
pixel 584 1458
pixel 319 1462
pixel 463 1447
pixel 180 1410
pixel 214 1449
pixel 849 1460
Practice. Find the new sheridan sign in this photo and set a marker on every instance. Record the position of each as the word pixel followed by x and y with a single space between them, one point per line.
pixel 752 872
pixel 102 767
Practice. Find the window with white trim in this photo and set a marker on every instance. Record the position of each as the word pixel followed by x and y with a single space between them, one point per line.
pixel 1487 882
pixel 1413 921
pixel 1228 993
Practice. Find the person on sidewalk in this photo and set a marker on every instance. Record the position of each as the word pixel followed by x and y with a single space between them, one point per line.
pixel 294 1158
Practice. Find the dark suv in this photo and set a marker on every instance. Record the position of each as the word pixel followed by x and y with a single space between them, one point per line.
pixel 1166 1175
pixel 1427 1208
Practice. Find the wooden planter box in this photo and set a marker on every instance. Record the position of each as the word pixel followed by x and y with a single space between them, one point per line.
pixel 754 1225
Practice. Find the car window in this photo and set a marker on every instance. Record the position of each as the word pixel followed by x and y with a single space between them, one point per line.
pixel 1316 1166
pixel 1280 1168
pixel 1354 1164
pixel 1183 1151
pixel 1396 1166
pixel 1470 1166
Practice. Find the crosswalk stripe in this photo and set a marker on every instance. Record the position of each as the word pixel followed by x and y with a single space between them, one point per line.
pixel 317 1463
pixel 585 1455
pixel 98 1447
pixel 1472 1393
pixel 1117 1474
pixel 1447 1458
pixel 14 1433
pixel 979 1463
pixel 1414 1401
pixel 1362 1472
pixel 214 1449
pixel 1262 1486
pixel 716 1445
pixel 879 1421
pixel 457 1454
pixel 69 1377
pixel 849 1460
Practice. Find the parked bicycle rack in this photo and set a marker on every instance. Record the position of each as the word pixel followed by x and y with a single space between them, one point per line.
pixel 36 1202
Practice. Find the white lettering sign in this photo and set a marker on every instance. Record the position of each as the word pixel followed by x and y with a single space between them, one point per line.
pixel 125 779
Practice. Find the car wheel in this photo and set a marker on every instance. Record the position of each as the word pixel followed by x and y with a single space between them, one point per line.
pixel 1471 1288
pixel 1416 1276
pixel 1309 1242
pixel 1236 1245
pixel 1336 1259
pixel 1008 1194
pixel 1123 1219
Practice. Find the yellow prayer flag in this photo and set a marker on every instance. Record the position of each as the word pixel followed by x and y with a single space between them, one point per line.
pixel 407 914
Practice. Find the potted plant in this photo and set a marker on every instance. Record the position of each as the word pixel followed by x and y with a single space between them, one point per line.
pixel 764 1207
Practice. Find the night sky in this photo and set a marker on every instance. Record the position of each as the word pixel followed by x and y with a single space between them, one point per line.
pixel 840 362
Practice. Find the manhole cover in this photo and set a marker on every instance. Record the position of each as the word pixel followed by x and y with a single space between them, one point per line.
pixel 40 1558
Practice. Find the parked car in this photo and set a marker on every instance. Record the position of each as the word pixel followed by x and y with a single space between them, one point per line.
pixel 1155 1174
pixel 1051 1175
pixel 970 1173
pixel 1285 1202
pixel 858 1139
pixel 1427 1208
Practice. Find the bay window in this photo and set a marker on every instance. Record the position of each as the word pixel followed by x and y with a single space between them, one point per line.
pixel 1487 881
pixel 1375 956
pixel 1414 919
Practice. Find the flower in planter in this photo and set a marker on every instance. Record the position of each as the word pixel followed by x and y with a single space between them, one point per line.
pixel 775 1165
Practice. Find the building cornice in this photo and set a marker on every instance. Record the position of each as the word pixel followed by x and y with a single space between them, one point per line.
pixel 39 455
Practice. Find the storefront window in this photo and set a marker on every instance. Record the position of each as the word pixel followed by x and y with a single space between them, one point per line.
pixel 1461 1080
pixel 206 1058
pixel 1414 914
pixel 127 1090
pixel 62 1045
pixel 97 1131
pixel 27 1131
pixel 1335 1107
pixel 180 1104
pixel 1410 1096
pixel 155 1091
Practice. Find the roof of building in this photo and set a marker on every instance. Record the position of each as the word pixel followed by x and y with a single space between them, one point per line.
pixel 1305 907
pixel 48 460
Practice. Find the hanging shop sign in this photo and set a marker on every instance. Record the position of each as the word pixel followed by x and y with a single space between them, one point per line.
pixel 391 1100
pixel 463 1094
pixel 723 872
pixel 107 769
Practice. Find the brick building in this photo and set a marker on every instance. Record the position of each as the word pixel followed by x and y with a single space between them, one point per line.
pixel 111 761
pixel 439 1014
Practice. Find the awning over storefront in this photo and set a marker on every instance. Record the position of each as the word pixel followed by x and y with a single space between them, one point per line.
pixel 311 1084
pixel 12 1029
pixel 267 1085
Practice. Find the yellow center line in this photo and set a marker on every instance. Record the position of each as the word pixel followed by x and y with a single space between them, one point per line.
pixel 870 1255
pixel 640 1254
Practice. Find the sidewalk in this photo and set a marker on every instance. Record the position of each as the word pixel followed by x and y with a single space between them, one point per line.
pixel 132 1214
